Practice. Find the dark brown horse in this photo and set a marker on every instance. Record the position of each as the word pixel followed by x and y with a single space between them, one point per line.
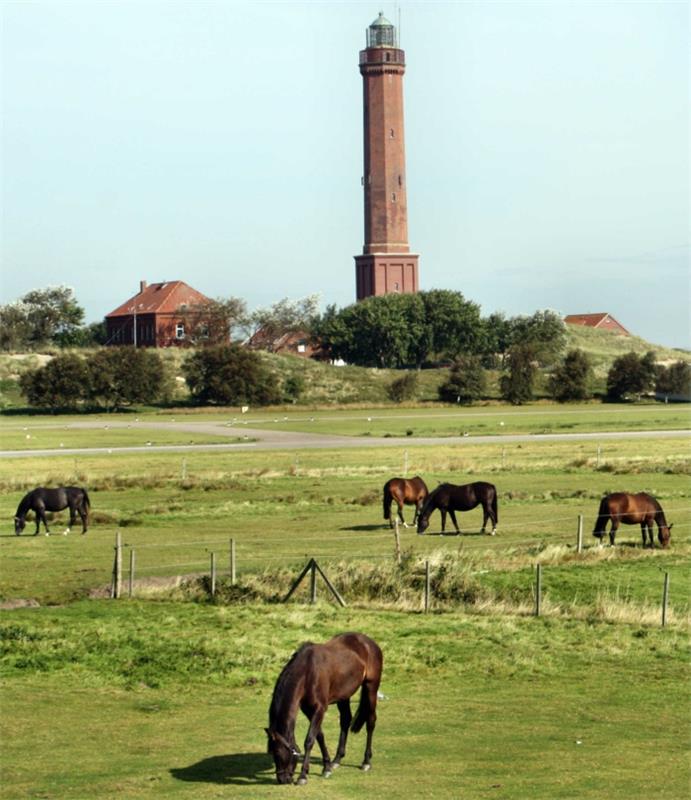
pixel 41 500
pixel 405 491
pixel 632 509
pixel 316 676
pixel 450 498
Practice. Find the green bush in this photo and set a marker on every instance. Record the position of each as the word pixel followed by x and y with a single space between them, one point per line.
pixel 229 375
pixel 403 388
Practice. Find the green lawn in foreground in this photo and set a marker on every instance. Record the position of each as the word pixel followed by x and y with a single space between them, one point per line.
pixel 170 700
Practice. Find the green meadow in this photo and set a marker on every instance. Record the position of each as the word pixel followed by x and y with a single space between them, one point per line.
pixel 167 694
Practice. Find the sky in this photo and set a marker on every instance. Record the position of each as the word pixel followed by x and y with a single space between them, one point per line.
pixel 220 143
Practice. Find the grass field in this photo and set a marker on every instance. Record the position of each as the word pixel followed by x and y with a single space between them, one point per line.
pixel 412 422
pixel 167 696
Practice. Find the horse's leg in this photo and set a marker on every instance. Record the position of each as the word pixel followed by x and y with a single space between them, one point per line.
pixel 346 719
pixel 650 534
pixel 643 533
pixel 41 517
pixel 443 519
pixel 73 519
pixel 452 514
pixel 400 513
pixel 485 517
pixel 371 722
pixel 613 530
pixel 327 769
pixel 317 715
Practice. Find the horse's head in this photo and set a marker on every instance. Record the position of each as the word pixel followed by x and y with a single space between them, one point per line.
pixel 422 522
pixel 285 755
pixel 663 534
pixel 19 524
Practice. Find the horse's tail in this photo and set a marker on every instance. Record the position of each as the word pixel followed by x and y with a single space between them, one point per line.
pixel 387 502
pixel 363 711
pixel 87 502
pixel 602 517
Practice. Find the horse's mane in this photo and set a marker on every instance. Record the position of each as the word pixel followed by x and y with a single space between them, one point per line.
pixel 25 504
pixel 284 679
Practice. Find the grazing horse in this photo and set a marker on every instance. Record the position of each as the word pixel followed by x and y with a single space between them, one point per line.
pixel 408 491
pixel 41 500
pixel 316 676
pixel 632 509
pixel 450 498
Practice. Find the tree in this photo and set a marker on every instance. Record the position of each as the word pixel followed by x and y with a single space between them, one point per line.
pixel 570 380
pixel 51 312
pixel 403 388
pixel 213 322
pixel 384 331
pixel 41 317
pixel 454 325
pixel 544 332
pixel 630 376
pixel 467 381
pixel 121 376
pixel 674 380
pixel 285 316
pixel 229 375
pixel 516 384
pixel 15 327
pixel 61 383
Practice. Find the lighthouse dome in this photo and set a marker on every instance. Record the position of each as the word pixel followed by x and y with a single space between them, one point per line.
pixel 381 33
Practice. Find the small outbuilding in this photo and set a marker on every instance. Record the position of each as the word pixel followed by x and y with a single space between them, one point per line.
pixel 155 316
pixel 603 322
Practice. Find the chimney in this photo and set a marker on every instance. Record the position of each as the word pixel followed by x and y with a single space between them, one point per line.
pixel 142 286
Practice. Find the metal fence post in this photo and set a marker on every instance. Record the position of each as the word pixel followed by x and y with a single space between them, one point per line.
pixel 579 535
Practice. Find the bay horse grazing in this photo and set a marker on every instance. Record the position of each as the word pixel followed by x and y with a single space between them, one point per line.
pixel 632 509
pixel 450 498
pixel 316 676
pixel 405 491
pixel 41 500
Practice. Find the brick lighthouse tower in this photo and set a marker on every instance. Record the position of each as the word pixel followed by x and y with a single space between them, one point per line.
pixel 386 264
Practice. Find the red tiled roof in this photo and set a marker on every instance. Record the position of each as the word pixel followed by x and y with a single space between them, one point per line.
pixel 592 320
pixel 160 298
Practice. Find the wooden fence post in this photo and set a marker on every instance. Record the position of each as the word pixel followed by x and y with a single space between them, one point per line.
pixel 427 587
pixel 665 599
pixel 397 542
pixel 579 535
pixel 538 590
pixel 213 573
pixel 313 582
pixel 232 562
pixel 117 567
pixel 131 578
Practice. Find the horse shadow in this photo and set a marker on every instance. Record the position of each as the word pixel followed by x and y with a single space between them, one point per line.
pixel 235 769
pixel 361 528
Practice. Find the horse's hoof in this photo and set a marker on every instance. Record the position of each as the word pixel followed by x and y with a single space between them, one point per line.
pixel 302 781
pixel 366 767
pixel 335 765
pixel 327 773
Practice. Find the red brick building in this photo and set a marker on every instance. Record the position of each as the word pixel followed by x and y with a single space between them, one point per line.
pixel 603 322
pixel 154 317
pixel 386 264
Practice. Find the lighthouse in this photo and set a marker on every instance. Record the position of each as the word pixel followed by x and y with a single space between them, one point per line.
pixel 386 264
